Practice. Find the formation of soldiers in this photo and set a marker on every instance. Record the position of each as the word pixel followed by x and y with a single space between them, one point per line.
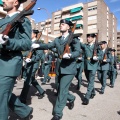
pixel 72 58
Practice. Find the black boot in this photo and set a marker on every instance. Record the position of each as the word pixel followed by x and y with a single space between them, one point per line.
pixel 85 101
pixel 40 96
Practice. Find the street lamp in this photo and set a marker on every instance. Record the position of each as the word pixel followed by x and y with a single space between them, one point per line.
pixel 48 19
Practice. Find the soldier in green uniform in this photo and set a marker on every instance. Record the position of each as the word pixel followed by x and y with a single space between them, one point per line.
pixel 47 66
pixel 80 67
pixel 66 67
pixel 11 46
pixel 113 69
pixel 103 67
pixel 32 64
pixel 90 66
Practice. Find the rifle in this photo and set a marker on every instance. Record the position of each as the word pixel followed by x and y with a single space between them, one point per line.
pixel 19 18
pixel 96 45
pixel 105 54
pixel 31 51
pixel 70 38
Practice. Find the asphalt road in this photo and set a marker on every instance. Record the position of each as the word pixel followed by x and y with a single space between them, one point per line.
pixel 102 107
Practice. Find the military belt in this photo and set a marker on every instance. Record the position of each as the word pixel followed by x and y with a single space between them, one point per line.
pixel 8 53
pixel 88 58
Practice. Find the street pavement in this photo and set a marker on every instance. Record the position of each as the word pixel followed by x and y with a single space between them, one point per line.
pixel 102 107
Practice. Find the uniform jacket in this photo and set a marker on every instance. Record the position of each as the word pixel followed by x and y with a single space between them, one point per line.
pixel 64 66
pixel 35 59
pixel 104 65
pixel 113 63
pixel 19 40
pixel 89 63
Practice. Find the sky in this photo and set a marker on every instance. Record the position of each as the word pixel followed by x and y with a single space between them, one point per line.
pixel 54 5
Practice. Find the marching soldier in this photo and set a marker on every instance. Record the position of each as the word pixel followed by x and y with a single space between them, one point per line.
pixel 11 46
pixel 80 67
pixel 32 64
pixel 90 66
pixel 113 69
pixel 47 66
pixel 66 67
pixel 103 67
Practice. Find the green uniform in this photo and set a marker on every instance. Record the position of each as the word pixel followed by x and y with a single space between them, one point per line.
pixel 80 67
pixel 30 71
pixel 103 69
pixel 11 64
pixel 65 70
pixel 90 68
pixel 113 70
pixel 47 66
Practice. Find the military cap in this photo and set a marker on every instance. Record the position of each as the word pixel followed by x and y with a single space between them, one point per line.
pixel 66 22
pixel 113 50
pixel 91 35
pixel 35 31
pixel 22 1
pixel 103 42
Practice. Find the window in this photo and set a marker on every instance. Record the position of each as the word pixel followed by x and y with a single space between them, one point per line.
pixel 56 32
pixel 56 25
pixel 92 27
pixel 57 17
pixel 42 25
pixel 92 17
pixel 118 33
pixel 92 8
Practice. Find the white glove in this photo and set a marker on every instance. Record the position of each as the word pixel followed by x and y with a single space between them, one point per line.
pixel 45 61
pixel 28 60
pixel 80 58
pixel 35 45
pixel 67 55
pixel 105 60
pixel 3 39
pixel 95 58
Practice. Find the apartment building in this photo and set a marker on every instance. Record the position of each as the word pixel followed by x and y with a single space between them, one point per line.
pixel 90 17
pixel 2 13
pixel 118 43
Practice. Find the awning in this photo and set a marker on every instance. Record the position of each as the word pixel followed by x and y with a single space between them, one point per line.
pixel 1 3
pixel 76 9
pixel 74 18
pixel 77 17
pixel 79 25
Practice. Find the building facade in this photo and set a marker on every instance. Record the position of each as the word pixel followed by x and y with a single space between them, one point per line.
pixel 118 44
pixel 90 17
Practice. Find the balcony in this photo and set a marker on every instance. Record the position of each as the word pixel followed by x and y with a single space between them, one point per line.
pixel 77 9
pixel 94 12
pixel 56 28
pixel 79 31
pixel 74 8
pixel 92 22
pixel 75 18
pixel 57 20
pixel 92 31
